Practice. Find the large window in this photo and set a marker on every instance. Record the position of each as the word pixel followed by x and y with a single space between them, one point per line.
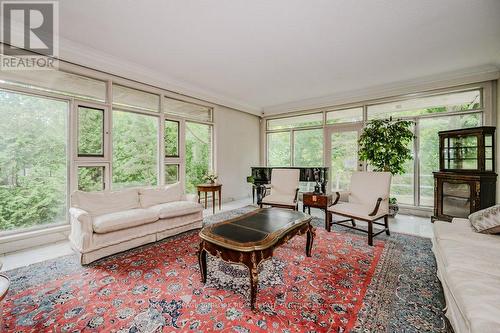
pixel 33 161
pixel 135 149
pixel 198 153
pixel 298 140
pixel 278 149
pixel 308 147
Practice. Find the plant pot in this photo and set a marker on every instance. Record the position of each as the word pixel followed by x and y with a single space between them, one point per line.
pixel 393 209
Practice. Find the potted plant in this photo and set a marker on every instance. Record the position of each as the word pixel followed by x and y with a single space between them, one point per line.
pixel 210 177
pixel 384 144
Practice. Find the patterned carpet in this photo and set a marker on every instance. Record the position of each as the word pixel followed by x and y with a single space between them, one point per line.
pixel 345 286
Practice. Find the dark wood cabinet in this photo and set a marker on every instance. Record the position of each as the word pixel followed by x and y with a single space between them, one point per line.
pixel 466 181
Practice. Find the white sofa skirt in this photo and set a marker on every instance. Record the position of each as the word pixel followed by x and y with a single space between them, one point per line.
pixel 92 246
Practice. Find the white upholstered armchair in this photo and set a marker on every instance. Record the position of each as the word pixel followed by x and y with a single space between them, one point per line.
pixel 284 189
pixel 367 200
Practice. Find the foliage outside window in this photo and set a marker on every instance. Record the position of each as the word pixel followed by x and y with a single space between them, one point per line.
pixel 135 149
pixel 171 173
pixel 314 119
pixel 90 131
pixel 278 149
pixel 308 147
pixel 33 161
pixel 171 138
pixel 90 178
pixel 198 154
pixel 451 102
pixel 344 116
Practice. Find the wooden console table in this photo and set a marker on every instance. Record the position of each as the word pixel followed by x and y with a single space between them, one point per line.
pixel 210 188
pixel 320 201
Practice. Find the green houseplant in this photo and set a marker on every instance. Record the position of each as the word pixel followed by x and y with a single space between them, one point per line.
pixel 384 144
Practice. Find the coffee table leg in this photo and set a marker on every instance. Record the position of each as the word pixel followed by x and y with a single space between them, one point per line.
pixel 254 285
pixel 310 239
pixel 202 260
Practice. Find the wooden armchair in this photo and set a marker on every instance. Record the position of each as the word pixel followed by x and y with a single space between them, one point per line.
pixel 367 200
pixel 284 189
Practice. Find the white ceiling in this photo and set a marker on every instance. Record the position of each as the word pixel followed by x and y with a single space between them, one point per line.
pixel 267 56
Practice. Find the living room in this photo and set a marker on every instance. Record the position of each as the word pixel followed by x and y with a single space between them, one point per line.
pixel 284 166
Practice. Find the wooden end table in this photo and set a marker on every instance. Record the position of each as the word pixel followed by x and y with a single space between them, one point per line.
pixel 251 238
pixel 320 201
pixel 210 188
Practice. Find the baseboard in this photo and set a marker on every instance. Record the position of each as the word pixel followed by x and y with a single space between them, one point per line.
pixel 26 240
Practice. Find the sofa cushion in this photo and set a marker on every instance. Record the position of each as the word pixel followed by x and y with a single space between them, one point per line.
pixel 98 203
pixel 176 208
pixel 461 230
pixel 486 221
pixel 154 196
pixel 470 255
pixel 123 220
pixel 476 295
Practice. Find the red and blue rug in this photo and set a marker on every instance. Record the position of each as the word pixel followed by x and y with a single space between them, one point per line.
pixel 345 286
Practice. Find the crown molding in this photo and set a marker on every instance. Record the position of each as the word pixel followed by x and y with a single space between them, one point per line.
pixel 78 54
pixel 444 80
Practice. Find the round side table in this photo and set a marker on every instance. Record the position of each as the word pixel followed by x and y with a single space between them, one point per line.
pixel 215 187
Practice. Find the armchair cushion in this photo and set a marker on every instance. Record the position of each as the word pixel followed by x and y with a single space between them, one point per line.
pixel 123 220
pixel 356 210
pixel 284 181
pixel 279 199
pixel 367 187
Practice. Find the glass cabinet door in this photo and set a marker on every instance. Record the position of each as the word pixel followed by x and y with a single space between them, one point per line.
pixel 456 199
pixel 461 153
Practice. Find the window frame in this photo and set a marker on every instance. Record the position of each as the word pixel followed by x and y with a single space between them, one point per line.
pixel 105 165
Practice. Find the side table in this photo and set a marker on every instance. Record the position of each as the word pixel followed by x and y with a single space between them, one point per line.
pixel 210 188
pixel 320 201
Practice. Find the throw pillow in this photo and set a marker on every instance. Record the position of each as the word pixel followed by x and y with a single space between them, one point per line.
pixel 486 221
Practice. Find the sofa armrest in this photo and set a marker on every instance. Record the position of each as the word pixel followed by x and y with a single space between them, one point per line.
pixel 190 197
pixel 81 228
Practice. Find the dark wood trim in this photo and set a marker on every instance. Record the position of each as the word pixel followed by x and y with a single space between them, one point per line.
pixel 377 206
pixel 252 259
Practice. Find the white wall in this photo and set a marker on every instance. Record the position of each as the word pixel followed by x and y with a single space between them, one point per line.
pixel 237 136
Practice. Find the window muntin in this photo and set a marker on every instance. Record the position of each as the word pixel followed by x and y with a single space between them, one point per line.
pixel 61 82
pixel 198 154
pixel 308 147
pixel 133 98
pixel 344 116
pixel 183 109
pixel 90 131
pixel 91 178
pixel 33 162
pixel 450 102
pixel 278 149
pixel 313 119
pixel 171 173
pixel 171 138
pixel 135 149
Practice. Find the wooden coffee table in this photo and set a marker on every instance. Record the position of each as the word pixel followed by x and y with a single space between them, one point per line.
pixel 251 238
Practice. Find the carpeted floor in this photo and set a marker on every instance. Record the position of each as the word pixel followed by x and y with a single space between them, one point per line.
pixel 345 286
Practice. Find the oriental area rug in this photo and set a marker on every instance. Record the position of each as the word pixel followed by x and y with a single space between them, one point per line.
pixel 346 286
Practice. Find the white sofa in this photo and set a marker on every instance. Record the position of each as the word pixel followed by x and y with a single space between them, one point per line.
pixel 104 223
pixel 469 269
